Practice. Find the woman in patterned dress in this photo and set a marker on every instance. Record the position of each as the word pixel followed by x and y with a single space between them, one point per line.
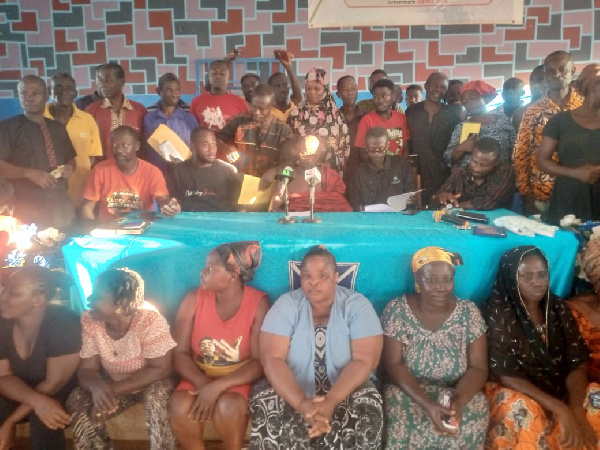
pixel 125 359
pixel 434 344
pixel 319 346
pixel 319 116
pixel 537 359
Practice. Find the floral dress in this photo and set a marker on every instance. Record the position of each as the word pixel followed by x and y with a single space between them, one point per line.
pixel 437 360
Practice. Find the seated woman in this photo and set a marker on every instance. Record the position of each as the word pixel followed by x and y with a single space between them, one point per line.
pixel 434 346
pixel 125 359
pixel 39 353
pixel 318 345
pixel 474 96
pixel 217 331
pixel 586 309
pixel 306 154
pixel 537 358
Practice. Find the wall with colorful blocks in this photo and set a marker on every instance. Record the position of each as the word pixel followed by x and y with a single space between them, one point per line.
pixel 151 37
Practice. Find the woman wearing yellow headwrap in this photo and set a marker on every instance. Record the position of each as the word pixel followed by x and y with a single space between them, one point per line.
pixel 434 344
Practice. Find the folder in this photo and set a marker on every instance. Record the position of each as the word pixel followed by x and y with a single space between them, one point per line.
pixel 168 145
pixel 469 128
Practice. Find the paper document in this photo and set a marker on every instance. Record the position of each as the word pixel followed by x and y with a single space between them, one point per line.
pixel 398 202
pixel 251 194
pixel 167 144
pixel 467 129
pixel 378 207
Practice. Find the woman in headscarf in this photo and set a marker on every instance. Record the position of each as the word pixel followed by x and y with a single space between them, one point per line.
pixel 474 96
pixel 217 357
pixel 320 117
pixel 574 137
pixel 39 353
pixel 125 359
pixel 319 346
pixel 537 359
pixel 434 345
pixel 586 308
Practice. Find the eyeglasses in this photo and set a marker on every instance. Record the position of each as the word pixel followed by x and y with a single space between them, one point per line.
pixel 442 281
pixel 530 276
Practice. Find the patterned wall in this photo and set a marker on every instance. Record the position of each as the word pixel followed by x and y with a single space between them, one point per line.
pixel 151 37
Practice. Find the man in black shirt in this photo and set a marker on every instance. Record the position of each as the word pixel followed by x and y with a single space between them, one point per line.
pixel 382 175
pixel 204 183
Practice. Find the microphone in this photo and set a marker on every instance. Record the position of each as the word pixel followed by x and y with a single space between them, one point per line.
pixel 312 177
pixel 285 176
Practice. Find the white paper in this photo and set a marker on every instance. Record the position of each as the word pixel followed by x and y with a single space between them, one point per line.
pixel 169 152
pixel 398 202
pixel 378 207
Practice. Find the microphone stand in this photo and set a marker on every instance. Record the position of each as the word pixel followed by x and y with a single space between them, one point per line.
pixel 286 203
pixel 312 218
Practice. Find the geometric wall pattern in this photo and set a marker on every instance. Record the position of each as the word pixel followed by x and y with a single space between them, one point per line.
pixel 151 37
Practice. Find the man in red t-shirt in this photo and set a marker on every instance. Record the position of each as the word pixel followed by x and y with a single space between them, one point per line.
pixel 384 116
pixel 214 109
pixel 126 183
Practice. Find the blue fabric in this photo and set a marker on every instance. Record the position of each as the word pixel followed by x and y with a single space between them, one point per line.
pixel 352 317
pixel 172 252
pixel 181 122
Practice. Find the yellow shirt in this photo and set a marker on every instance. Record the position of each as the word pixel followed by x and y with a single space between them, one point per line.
pixel 283 116
pixel 85 137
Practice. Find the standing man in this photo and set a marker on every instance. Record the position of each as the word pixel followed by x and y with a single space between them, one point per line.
pixel 257 137
pixel 512 91
pixel 126 183
pixel 535 186
pixel 83 102
pixel 82 129
pixel 36 154
pixel 284 104
pixel 431 124
pixel 115 110
pixel 215 108
pixel 368 105
pixel 249 82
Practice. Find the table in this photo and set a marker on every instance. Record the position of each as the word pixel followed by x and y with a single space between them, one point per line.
pixel 172 252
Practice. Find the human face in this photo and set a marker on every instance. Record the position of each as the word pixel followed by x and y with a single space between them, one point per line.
pixel 262 105
pixel 215 276
pixel 512 97
pixel 19 297
pixel 32 96
pixel 102 305
pixel 558 72
pixel 533 278
pixel 109 85
pixel 376 149
pixel 218 76
pixel 482 164
pixel 248 86
pixel 170 93
pixel 436 88
pixel 374 79
pixel 348 91
pixel 204 147
pixel 473 102
pixel 314 92
pixel 537 84
pixel 452 94
pixel 436 282
pixel 281 86
pixel 64 91
pixel 124 147
pixel 318 279
pixel 383 99
pixel 413 97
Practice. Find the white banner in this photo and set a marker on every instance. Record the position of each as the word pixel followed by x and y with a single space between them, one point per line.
pixel 344 13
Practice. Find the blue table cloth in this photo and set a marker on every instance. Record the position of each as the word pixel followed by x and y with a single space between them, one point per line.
pixel 172 252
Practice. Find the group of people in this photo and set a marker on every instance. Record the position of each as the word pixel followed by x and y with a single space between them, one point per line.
pixel 90 156
pixel 521 372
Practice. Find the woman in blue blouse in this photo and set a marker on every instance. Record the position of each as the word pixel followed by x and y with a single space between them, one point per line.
pixel 319 346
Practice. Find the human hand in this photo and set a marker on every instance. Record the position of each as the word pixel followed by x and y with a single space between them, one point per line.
pixel 40 178
pixel 97 417
pixel 66 171
pixel 435 411
pixel 232 55
pixel 587 173
pixel 171 209
pixel 50 412
pixel 570 429
pixel 104 398
pixel 322 417
pixel 445 198
pixel 204 403
pixel 7 435
pixel 589 439
pixel 284 57
pixel 467 145
pixel 267 179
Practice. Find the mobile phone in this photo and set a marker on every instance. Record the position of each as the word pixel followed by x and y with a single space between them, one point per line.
pixel 594 398
pixel 283 54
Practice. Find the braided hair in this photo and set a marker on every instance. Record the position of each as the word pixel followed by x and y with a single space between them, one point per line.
pixel 126 287
pixel 53 284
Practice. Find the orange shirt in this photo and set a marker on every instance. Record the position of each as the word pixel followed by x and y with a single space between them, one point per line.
pixel 119 193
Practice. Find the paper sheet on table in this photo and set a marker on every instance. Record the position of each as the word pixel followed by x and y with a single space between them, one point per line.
pixel 398 202
pixel 174 147
pixel 300 213
pixel 378 207
pixel 467 129
pixel 252 195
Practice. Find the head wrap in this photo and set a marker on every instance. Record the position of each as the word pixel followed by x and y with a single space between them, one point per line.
pixel 482 88
pixel 241 257
pixel 591 261
pixel 432 254
pixel 318 75
pixel 588 76
pixel 516 347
